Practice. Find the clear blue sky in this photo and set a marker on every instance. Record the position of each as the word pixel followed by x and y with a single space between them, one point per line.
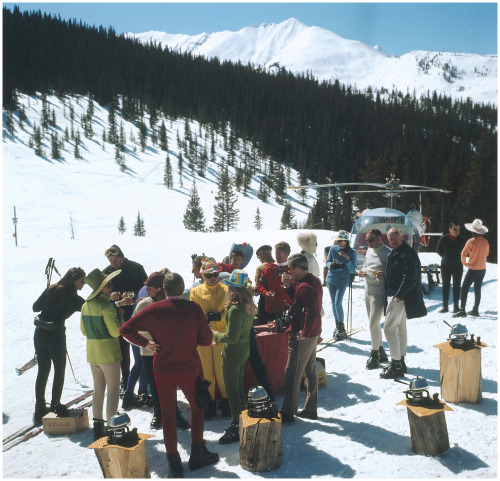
pixel 397 28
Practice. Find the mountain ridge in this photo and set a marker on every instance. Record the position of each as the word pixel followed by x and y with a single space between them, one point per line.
pixel 302 49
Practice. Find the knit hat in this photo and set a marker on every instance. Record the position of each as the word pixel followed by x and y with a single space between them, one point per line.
pixel 155 280
pixel 477 227
pixel 114 250
pixel 308 242
pixel 209 265
pixel 97 280
pixel 265 247
pixel 238 278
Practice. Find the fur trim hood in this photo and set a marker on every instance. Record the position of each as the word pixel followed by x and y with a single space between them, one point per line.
pixel 308 242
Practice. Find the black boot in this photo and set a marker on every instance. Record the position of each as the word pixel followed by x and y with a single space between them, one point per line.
pixel 443 310
pixel 211 412
pixel 201 456
pixel 460 313
pixel 393 371
pixel 403 364
pixel 373 360
pixel 144 399
pixel 336 330
pixel 123 388
pixel 455 308
pixel 175 466
pixel 231 434
pixel 474 312
pixel 129 401
pixel 382 355
pixel 341 334
pixel 99 428
pixel 224 407
pixel 60 409
pixel 180 421
pixel 41 409
pixel 156 419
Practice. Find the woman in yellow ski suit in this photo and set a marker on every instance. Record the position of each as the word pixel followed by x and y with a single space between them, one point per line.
pixel 211 296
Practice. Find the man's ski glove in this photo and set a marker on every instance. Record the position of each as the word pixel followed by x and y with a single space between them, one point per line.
pixel 213 316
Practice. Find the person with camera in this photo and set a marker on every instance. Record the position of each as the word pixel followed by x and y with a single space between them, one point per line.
pixel 211 296
pixel 131 280
pixel 304 330
pixel 239 311
pixel 373 272
pixel 100 323
pixel 270 285
pixel 341 262
pixel 177 327
pixel 57 303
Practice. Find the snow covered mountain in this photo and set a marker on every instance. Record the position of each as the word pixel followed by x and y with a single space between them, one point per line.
pixel 301 49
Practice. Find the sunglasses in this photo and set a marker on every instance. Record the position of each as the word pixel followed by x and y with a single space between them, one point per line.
pixel 79 272
pixel 212 275
pixel 370 240
pixel 112 251
pixel 455 229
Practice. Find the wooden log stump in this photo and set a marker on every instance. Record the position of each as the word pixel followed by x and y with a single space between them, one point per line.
pixel 122 462
pixel 260 443
pixel 460 373
pixel 428 429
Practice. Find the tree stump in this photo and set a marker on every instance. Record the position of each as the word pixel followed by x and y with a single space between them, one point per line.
pixel 122 462
pixel 460 373
pixel 428 430
pixel 260 443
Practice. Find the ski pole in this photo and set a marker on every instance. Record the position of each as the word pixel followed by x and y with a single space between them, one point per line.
pixel 67 354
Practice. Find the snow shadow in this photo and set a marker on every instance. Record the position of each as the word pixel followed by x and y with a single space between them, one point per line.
pixel 487 406
pixel 345 392
pixel 369 435
pixel 458 460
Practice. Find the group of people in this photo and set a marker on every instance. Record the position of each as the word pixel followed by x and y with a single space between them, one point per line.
pixel 181 336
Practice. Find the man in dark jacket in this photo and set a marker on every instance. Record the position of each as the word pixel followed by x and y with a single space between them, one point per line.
pixel 132 278
pixel 449 247
pixel 304 330
pixel 404 300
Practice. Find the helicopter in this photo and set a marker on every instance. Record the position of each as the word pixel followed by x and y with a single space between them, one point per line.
pixel 413 225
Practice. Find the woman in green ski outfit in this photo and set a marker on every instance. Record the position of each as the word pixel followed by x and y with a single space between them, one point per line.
pixel 240 311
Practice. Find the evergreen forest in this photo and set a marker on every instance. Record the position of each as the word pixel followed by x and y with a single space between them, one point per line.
pixel 327 131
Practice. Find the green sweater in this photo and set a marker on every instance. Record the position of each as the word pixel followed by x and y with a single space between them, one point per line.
pixel 236 339
pixel 101 325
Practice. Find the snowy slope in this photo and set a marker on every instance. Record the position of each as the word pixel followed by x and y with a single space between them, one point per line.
pixel 360 432
pixel 327 56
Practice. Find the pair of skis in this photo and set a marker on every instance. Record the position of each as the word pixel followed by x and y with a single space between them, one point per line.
pixel 31 430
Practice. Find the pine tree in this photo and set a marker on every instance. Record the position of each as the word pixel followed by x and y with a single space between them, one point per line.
pixel 163 137
pixel 168 179
pixel 288 217
pixel 37 140
pixel 194 219
pixel 10 123
pixel 258 220
pixel 139 229
pixel 121 226
pixel 55 146
pixel 143 135
pixel 263 193
pixel 180 165
pixel 225 213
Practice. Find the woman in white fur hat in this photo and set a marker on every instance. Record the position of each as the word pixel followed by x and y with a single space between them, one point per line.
pixel 308 242
pixel 477 250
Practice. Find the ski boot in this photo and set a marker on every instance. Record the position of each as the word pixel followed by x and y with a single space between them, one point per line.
pixel 340 333
pixel 474 312
pixel 99 428
pixel 60 409
pixel 175 465
pixel 382 355
pixel 393 371
pixel 41 409
pixel 129 401
pixel 231 434
pixel 156 419
pixel 373 360
pixel 403 364
pixel 460 313
pixel 201 456
pixel 443 310
pixel 144 399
